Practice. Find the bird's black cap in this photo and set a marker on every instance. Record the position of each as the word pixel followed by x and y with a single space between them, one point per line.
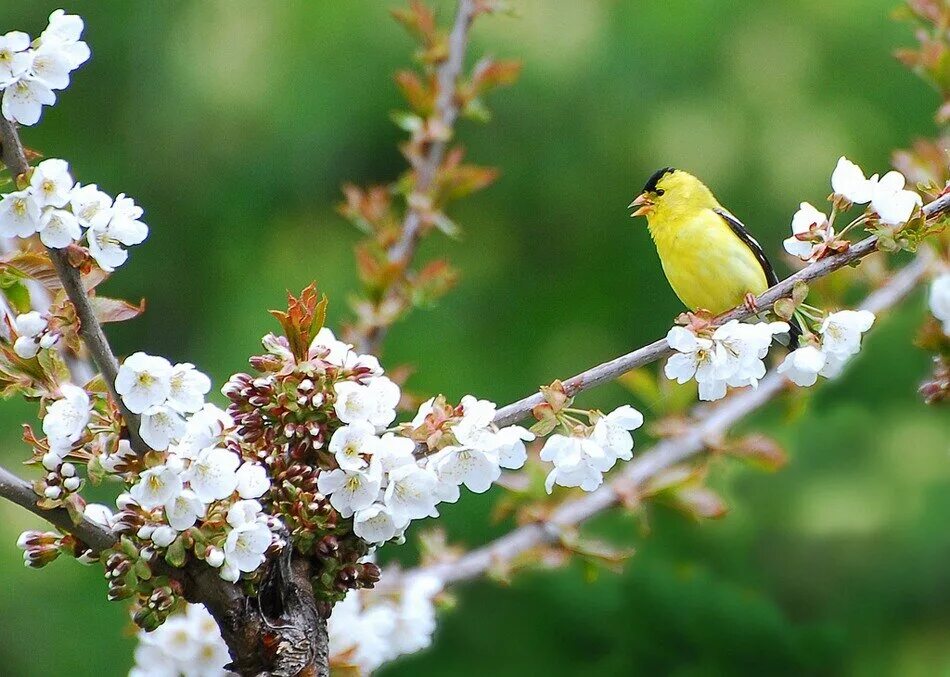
pixel 650 186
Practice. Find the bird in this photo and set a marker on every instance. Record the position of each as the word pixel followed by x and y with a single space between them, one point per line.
pixel 708 256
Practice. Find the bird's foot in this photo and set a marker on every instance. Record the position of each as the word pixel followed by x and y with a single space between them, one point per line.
pixel 750 304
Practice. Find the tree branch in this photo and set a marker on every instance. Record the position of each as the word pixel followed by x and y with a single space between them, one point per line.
pixel 20 492
pixel 446 111
pixel 13 156
pixel 609 371
pixel 713 422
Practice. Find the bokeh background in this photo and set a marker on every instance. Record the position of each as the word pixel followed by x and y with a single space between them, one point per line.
pixel 234 122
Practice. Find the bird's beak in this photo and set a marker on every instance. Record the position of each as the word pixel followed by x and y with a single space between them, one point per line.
pixel 644 203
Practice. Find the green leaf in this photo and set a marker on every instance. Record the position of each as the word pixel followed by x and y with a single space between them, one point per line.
pixel 176 553
pixel 545 427
pixel 142 570
pixel 115 310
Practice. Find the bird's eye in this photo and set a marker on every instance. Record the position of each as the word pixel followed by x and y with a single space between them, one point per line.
pixel 660 191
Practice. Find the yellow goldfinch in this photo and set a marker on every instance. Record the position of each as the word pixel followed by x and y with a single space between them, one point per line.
pixel 709 258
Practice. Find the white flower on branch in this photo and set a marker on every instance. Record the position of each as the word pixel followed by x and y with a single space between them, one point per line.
pixel 244 512
pixel 849 182
pixel 203 429
pixel 477 469
pixel 698 358
pixel 810 230
pixel 23 100
pixel 156 487
pixel 939 300
pixel 213 474
pixel 252 480
pixel 65 30
pixel 803 365
pixel 124 228
pixel 394 450
pixel 51 183
pixel 352 444
pixel 245 546
pixel 66 418
pixel 144 381
pixel 410 492
pixel 186 644
pixel 91 206
pixel 14 61
pixel 578 462
pixel 187 388
pixel 351 490
pixel 374 402
pixel 891 202
pixel 841 332
pixel 376 524
pixel 184 509
pixel 19 214
pixel 161 425
pixel 163 536
pixel 100 514
pixel 58 228
pixel 612 432
pixel 51 65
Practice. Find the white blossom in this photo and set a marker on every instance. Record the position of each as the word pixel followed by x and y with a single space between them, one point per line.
pixel 161 425
pixel 66 418
pixel 51 183
pixel 352 444
pixel 698 358
pixel 375 524
pixel 812 223
pixel 351 490
pixel 744 345
pixel 156 487
pixel 124 228
pixel 19 214
pixel 578 462
pixel 212 474
pixel 410 492
pixel 252 481
pixel 99 514
pixel 245 546
pixel 143 381
pixel 92 207
pixel 326 342
pixel 612 432
pixel 475 468
pixel 510 447
pixel 51 64
pixel 188 644
pixel 187 388
pixel 803 365
pixel 244 512
pixel 203 429
pixel 65 30
pixel 374 402
pixel 14 60
pixel 184 509
pixel 891 202
pixel 938 299
pixel 23 100
pixel 26 347
pixel 58 228
pixel 848 181
pixel 394 450
pixel 841 332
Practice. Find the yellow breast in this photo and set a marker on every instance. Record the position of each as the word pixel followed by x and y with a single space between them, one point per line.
pixel 706 263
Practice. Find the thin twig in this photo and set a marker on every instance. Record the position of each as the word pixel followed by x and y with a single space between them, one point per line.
pixel 609 371
pixel 446 111
pixel 90 330
pixel 709 425
pixel 20 492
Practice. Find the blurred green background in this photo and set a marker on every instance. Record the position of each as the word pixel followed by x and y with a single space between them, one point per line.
pixel 234 122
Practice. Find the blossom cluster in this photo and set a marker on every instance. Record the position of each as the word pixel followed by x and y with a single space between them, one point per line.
pixel 372 627
pixel 813 233
pixel 188 644
pixel 199 479
pixel 840 340
pixel 581 458
pixel 730 355
pixel 62 211
pixel 31 72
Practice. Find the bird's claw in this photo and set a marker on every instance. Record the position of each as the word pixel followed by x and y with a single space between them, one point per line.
pixel 750 304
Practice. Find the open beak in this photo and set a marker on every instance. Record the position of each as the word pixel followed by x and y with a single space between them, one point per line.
pixel 644 205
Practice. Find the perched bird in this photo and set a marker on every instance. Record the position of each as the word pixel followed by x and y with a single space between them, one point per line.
pixel 708 256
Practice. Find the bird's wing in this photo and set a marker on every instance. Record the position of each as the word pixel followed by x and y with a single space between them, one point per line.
pixel 750 242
